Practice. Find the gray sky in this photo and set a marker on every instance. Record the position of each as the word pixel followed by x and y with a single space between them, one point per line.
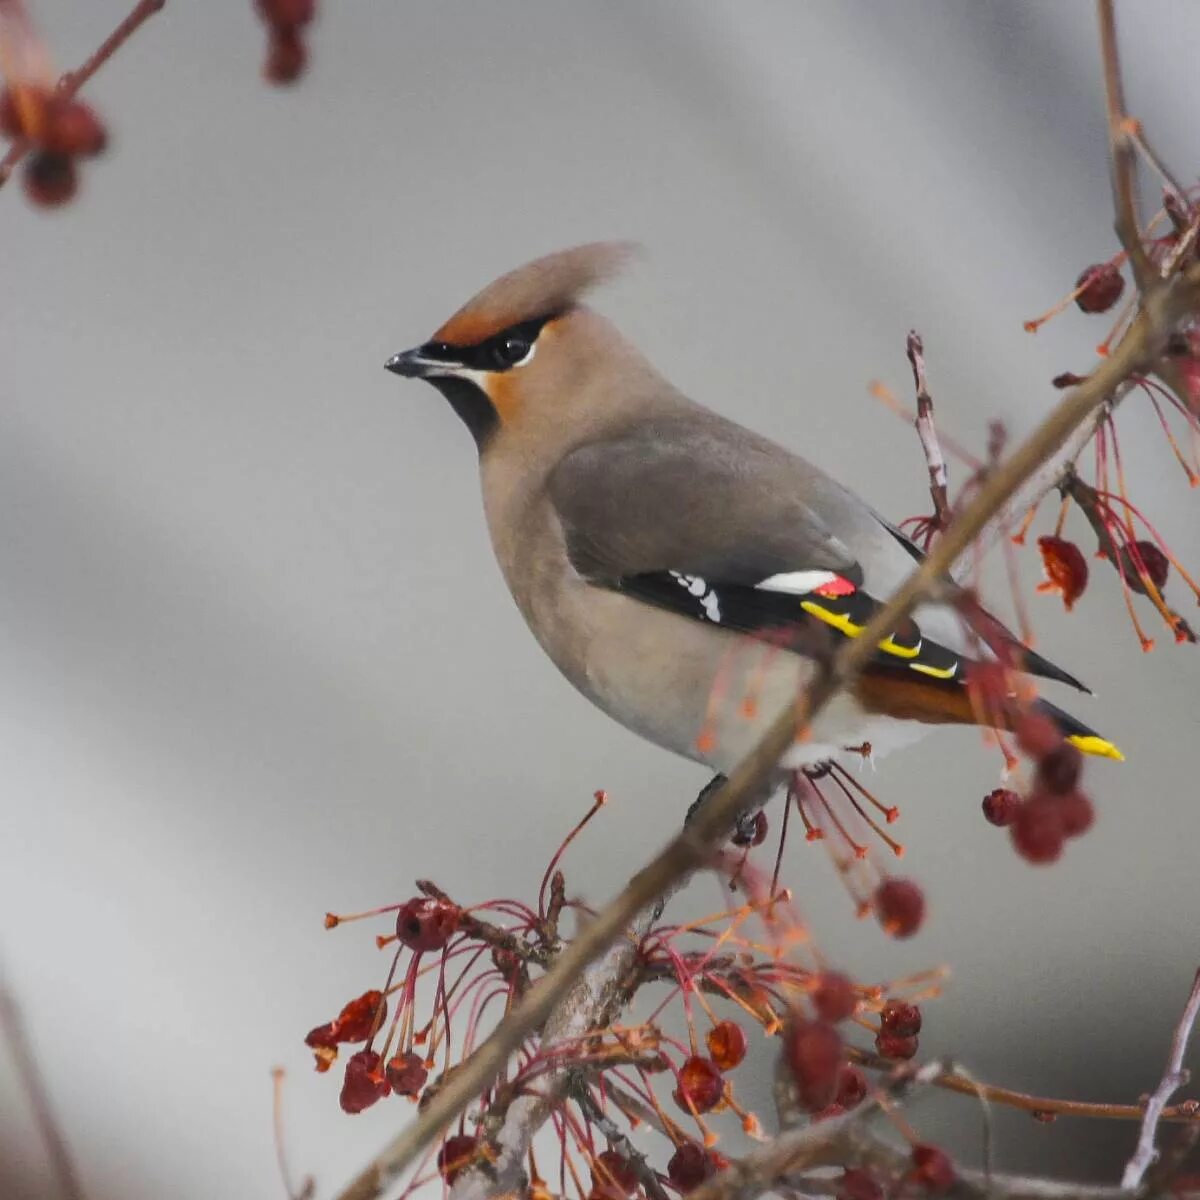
pixel 257 661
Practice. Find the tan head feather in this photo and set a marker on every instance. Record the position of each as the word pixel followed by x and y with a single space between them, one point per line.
pixel 543 287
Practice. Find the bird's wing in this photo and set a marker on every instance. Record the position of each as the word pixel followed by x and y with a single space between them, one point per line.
pixel 708 520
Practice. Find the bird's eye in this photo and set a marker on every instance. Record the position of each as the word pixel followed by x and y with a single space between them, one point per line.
pixel 511 350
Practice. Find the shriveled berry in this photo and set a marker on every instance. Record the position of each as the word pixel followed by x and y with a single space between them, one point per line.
pixel 701 1085
pixel 287 14
pixel 1036 734
pixel 851 1088
pixel 1077 814
pixel 1000 807
pixel 73 128
pixel 1038 832
pixel 857 1183
pixel 1153 562
pixel 323 1037
pixel 726 1044
pixel 1066 379
pixel 426 924
pixel 1058 772
pixel 1066 569
pixel 1100 287
pixel 364 1083
pixel 406 1074
pixel 50 180
pixel 287 56
pixel 356 1021
pixel 814 1052
pixel 932 1169
pixel 614 1175
pixel 895 1045
pixel 900 906
pixel 751 832
pixel 900 1017
pixel 690 1166
pixel 457 1153
pixel 834 997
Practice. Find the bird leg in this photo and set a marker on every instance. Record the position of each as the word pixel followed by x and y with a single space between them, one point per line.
pixel 744 829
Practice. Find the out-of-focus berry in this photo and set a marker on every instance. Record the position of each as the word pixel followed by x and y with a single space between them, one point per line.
pixel 364 1083
pixel 727 1044
pixel 900 907
pixel 1000 807
pixel 834 997
pixel 50 180
pixel 1100 287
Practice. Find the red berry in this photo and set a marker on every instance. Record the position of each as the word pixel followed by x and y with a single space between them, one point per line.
pixel 690 1166
pixel 851 1088
pixel 356 1021
pixel 900 906
pixel 456 1154
pixel 364 1083
pixel 701 1085
pixel 614 1175
pixel 932 1169
pixel 858 1183
pixel 834 997
pixel 900 1017
pixel 895 1045
pixel 751 833
pixel 1102 285
pixel 1058 772
pixel 1036 734
pixel 1077 814
pixel 72 128
pixel 814 1052
pixel 426 924
pixel 406 1074
pixel 1153 562
pixel 324 1037
pixel 1000 807
pixel 287 56
pixel 1066 569
pixel 1038 831
pixel 50 179
pixel 287 14
pixel 726 1044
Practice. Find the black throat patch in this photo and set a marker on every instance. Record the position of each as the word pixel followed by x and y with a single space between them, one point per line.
pixel 471 403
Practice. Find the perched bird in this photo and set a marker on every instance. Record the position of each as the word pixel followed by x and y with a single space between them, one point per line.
pixel 644 536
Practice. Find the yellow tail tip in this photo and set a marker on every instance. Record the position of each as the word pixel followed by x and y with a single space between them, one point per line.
pixel 1096 745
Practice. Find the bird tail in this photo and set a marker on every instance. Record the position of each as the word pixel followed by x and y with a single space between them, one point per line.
pixel 1077 733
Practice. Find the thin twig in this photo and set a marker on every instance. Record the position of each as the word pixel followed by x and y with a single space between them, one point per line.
pixel 1174 1077
pixel 927 432
pixel 69 83
pixel 12 1031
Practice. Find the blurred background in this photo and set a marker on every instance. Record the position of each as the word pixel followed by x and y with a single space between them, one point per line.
pixel 257 660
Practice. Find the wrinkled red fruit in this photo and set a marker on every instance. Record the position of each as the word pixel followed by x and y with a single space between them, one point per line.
pixel 1036 735
pixel 851 1088
pixel 1154 563
pixel 1101 286
pixel 900 1017
pixel 752 833
pixel 895 1045
pixel 456 1154
pixel 406 1074
pixel 1038 831
pixel 356 1021
pixel 726 1044
pixel 691 1165
pixel 834 997
pixel 900 906
pixel 364 1083
pixel 1000 807
pixel 1077 814
pixel 50 180
pixel 701 1085
pixel 426 924
pixel 1066 569
pixel 858 1184
pixel 287 14
pixel 287 56
pixel 1058 772
pixel 324 1037
pixel 932 1169
pixel 614 1175
pixel 814 1052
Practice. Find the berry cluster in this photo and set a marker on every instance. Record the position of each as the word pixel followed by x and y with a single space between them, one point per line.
pixel 60 130
pixel 287 52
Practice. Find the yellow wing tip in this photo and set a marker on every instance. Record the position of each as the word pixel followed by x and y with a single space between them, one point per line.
pixel 1096 745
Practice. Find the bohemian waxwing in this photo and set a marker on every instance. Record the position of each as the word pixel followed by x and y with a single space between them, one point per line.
pixel 644 536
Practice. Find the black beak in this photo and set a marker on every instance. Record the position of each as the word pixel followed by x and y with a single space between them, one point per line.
pixel 433 358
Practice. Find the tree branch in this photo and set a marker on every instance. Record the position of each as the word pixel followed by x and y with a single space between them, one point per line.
pixel 927 432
